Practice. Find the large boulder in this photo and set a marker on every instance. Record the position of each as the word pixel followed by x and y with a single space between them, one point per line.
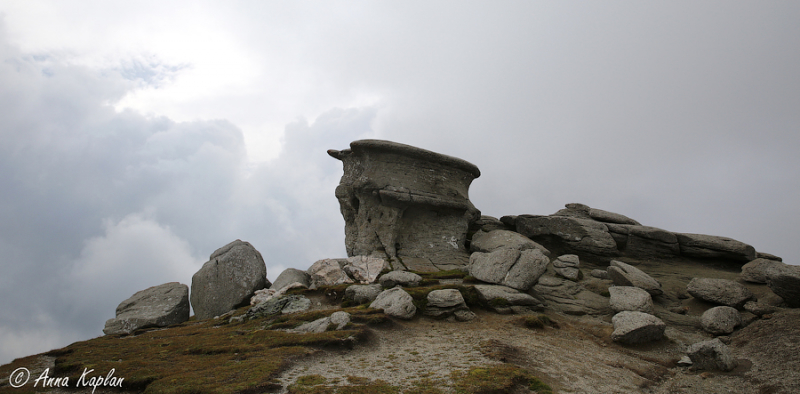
pixel 289 276
pixel 719 291
pixel 400 278
pixel 759 269
pixel 720 320
pixel 568 266
pixel 570 234
pixel 328 272
pixel 711 355
pixel 157 306
pixel 710 246
pixel 365 269
pixel 405 202
pixel 395 302
pixel 505 300
pixel 623 274
pixel 645 241
pixel 231 276
pixel 486 242
pixel 629 298
pixel 785 282
pixel 634 328
pixel 509 267
pixel 569 297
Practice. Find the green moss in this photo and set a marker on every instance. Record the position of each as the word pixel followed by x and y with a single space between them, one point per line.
pixel 539 321
pixel 450 274
pixel 502 378
pixel 499 302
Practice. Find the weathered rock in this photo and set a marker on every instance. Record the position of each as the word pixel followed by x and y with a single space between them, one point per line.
pixel 265 294
pixel 443 303
pixel 395 302
pixel 463 315
pixel 291 275
pixel 719 291
pixel 571 234
pixel 768 256
pixel 644 241
pixel 157 306
pixel 280 304
pixel 758 270
pixel 487 223
pixel 629 298
pixel 610 217
pixel 502 298
pixel 509 267
pixel 327 272
pixel 400 278
pixel 720 320
pixel 599 274
pixel 568 297
pixel 711 355
pixel 758 308
pixel 405 202
pixel 499 239
pixel 231 276
pixel 568 266
pixel 785 282
pixel 338 319
pixel 362 294
pixel 627 275
pixel 634 328
pixel 365 269
pixel 710 246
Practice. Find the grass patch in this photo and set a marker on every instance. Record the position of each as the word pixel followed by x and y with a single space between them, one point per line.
pixel 502 378
pixel 539 321
pixel 450 274
pixel 499 303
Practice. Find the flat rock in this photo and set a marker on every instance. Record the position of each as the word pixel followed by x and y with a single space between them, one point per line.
pixel 509 267
pixel 627 275
pixel 645 241
pixel 719 291
pixel 720 320
pixel 502 298
pixel 634 328
pixel 400 278
pixel 576 235
pixel 157 306
pixel 486 242
pixel 599 274
pixel 757 270
pixel 443 303
pixel 758 308
pixel 395 302
pixel 629 298
pixel 327 272
pixel 291 275
pixel 362 294
pixel 710 246
pixel 785 282
pixel 279 305
pixel 229 279
pixel 711 355
pixel 610 217
pixel 572 298
pixel 338 319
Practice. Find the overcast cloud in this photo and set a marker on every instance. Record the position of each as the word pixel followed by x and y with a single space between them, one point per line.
pixel 137 144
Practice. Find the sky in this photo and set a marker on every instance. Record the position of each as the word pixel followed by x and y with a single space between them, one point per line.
pixel 138 137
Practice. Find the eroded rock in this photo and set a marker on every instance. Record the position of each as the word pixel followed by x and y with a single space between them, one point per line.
pixel 499 239
pixel 711 355
pixel 400 278
pixel 785 282
pixel 395 302
pixel 629 298
pixel 634 328
pixel 720 320
pixel 627 275
pixel 444 303
pixel 509 267
pixel 362 294
pixel 568 266
pixel 291 275
pixel 502 299
pixel 157 306
pixel 719 291
pixel 328 272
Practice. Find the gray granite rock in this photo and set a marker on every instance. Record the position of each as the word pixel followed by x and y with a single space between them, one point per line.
pixel 711 355
pixel 710 246
pixel 289 276
pixel 395 302
pixel 623 274
pixel 444 303
pixel 785 282
pixel 328 272
pixel 629 298
pixel 568 266
pixel 365 269
pixel 720 320
pixel 509 267
pixel 719 291
pixel 228 280
pixel 757 270
pixel 157 306
pixel 497 239
pixel 338 319
pixel 501 298
pixel 279 305
pixel 362 294
pixel 633 328
pixel 400 278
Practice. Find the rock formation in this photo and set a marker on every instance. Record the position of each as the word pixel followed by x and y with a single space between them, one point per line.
pixel 157 306
pixel 405 203
pixel 231 276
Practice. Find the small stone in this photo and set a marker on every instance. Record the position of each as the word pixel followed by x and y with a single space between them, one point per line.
pixel 720 320
pixel 711 355
pixel 634 328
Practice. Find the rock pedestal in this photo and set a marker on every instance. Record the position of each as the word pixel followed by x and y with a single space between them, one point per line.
pixel 405 203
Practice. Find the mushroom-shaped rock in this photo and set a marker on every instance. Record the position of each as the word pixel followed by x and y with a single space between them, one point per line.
pixel 408 203
pixel 395 302
pixel 627 275
pixel 629 298
pixel 711 355
pixel 719 291
pixel 720 320
pixel 634 328
pixel 509 267
pixel 231 276
pixel 400 278
pixel 157 306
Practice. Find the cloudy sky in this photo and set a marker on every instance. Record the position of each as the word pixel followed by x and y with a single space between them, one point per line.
pixel 138 137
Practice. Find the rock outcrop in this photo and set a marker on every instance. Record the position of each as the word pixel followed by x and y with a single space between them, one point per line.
pixel 157 306
pixel 486 242
pixel 406 203
pixel 230 277
pixel 328 272
pixel 568 266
